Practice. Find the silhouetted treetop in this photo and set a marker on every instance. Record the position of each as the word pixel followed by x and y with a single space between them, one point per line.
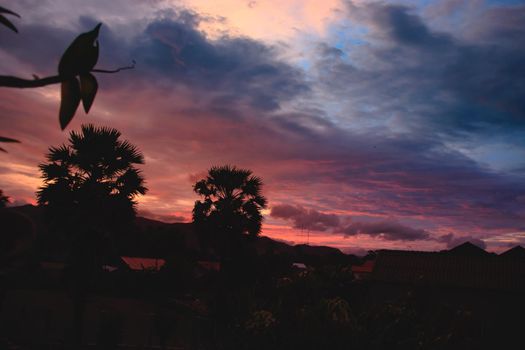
pixel 232 201
pixel 3 199
pixel 93 176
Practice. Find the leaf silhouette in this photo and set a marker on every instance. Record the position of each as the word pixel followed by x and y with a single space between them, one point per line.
pixel 5 21
pixel 88 90
pixel 8 139
pixel 4 10
pixel 8 24
pixel 82 55
pixel 69 101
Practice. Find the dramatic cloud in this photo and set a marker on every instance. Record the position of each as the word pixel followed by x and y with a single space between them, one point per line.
pixel 429 79
pixel 453 241
pixel 395 125
pixel 310 219
pixel 388 230
pixel 305 219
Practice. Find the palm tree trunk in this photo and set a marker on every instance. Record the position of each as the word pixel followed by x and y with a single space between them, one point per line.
pixel 79 307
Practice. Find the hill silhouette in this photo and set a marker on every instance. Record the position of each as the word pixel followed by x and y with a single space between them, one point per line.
pixel 153 238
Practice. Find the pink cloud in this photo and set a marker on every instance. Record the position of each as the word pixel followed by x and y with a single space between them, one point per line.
pixel 229 104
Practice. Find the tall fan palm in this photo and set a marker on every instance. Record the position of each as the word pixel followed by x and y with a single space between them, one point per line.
pixel 232 201
pixel 92 179
pixel 89 190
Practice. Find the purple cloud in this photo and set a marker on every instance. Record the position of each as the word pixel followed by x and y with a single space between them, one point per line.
pixel 452 240
pixel 305 219
pixel 387 230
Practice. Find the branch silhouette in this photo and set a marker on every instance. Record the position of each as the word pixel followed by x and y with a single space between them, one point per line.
pixel 74 74
pixel 16 82
pixel 77 84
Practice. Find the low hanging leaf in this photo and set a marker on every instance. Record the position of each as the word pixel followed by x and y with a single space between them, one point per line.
pixel 69 101
pixel 8 24
pixel 88 90
pixel 4 10
pixel 5 21
pixel 8 139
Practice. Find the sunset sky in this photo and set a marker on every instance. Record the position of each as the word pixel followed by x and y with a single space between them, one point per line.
pixel 372 124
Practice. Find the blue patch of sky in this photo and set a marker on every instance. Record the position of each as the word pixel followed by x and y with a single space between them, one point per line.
pixel 425 3
pixel 505 2
pixel 502 157
pixel 345 37
pixel 494 154
pixel 305 64
pixel 415 3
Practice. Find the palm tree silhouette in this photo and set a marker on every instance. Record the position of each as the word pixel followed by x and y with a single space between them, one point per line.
pixel 232 201
pixel 89 191
pixel 92 179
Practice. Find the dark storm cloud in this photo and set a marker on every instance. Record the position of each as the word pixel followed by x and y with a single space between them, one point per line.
pixel 305 219
pixel 406 28
pixel 432 81
pixel 311 219
pixel 172 51
pixel 37 45
pixel 235 71
pixel 387 230
pixel 406 93
pixel 452 241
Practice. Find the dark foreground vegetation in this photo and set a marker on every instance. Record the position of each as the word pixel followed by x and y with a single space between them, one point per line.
pixel 254 298
pixel 81 271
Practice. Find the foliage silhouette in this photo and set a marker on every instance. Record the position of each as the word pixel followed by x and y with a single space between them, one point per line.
pixel 93 179
pixel 3 199
pixel 89 191
pixel 7 139
pixel 74 73
pixel 5 21
pixel 232 202
pixel 78 60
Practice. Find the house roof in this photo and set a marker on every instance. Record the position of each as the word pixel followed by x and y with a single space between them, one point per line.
pixel 366 267
pixel 444 269
pixel 210 265
pixel 468 248
pixel 138 263
pixel 518 252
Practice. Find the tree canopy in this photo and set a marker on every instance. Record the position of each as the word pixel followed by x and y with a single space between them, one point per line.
pixel 93 178
pixel 232 201
pixel 3 199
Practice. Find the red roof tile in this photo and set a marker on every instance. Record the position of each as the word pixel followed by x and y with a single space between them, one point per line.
pixel 367 267
pixel 136 263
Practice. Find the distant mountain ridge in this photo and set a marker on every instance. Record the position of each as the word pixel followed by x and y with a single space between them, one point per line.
pixel 153 238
